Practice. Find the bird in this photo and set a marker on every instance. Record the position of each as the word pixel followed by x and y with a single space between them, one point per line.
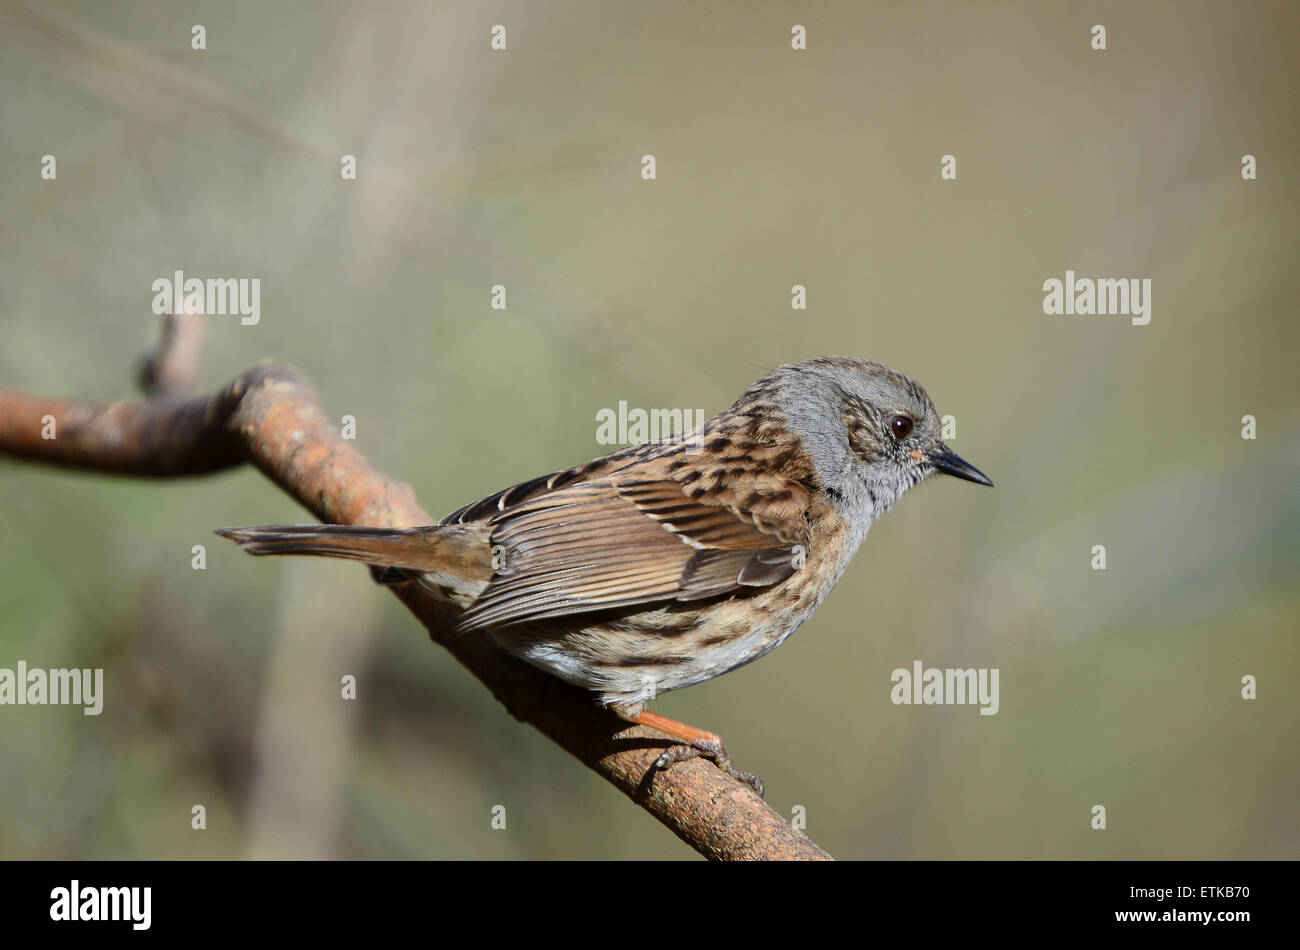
pixel 667 563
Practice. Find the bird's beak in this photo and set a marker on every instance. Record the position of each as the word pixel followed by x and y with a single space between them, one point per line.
pixel 948 462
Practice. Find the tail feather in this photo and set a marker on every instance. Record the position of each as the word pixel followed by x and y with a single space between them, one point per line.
pixel 428 548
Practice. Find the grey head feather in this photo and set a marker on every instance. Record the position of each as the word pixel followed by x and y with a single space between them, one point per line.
pixel 813 396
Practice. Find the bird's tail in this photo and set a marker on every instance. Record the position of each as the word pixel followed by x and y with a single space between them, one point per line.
pixel 433 548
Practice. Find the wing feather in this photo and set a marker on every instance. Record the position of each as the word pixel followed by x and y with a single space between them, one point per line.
pixel 619 541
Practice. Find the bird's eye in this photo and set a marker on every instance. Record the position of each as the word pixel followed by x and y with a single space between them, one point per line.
pixel 901 426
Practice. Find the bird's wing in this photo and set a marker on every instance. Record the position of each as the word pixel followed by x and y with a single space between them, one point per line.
pixel 684 533
pixel 485 509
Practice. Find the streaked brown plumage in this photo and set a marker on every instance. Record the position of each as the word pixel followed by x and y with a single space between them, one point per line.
pixel 666 564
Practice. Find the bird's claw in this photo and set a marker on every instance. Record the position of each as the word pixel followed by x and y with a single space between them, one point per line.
pixel 715 752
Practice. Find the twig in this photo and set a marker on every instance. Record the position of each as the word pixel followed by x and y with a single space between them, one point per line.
pixel 173 368
pixel 271 418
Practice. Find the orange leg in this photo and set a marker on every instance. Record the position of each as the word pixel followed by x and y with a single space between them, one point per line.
pixel 699 743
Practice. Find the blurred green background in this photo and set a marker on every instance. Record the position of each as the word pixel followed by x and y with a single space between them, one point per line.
pixel 1118 687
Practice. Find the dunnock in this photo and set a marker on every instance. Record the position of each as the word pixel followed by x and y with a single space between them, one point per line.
pixel 665 564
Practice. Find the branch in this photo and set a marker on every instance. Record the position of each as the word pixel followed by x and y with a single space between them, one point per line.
pixel 173 368
pixel 270 417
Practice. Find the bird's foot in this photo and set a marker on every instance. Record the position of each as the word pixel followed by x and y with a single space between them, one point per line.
pixel 698 743
pixel 713 750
